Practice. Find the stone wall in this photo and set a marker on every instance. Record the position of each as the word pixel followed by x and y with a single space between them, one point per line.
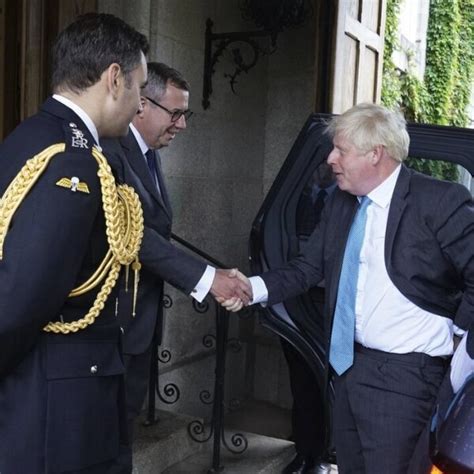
pixel 218 172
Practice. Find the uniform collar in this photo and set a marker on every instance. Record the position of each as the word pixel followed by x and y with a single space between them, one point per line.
pixel 81 114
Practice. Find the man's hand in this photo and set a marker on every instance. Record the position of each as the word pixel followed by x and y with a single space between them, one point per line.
pixel 232 289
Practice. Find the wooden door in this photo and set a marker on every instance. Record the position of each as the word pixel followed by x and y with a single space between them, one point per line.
pixel 27 32
pixel 358 53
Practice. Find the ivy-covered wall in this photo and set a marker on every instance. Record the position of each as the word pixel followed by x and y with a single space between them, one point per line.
pixel 442 97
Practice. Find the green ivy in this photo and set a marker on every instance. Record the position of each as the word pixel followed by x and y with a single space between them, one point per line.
pixel 443 96
pixel 391 89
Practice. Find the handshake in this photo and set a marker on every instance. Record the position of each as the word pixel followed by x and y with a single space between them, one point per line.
pixel 231 289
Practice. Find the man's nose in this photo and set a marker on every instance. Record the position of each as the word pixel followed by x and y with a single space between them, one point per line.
pixel 332 157
pixel 181 123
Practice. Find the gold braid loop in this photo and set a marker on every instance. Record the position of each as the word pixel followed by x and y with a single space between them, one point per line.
pixel 97 307
pixel 124 228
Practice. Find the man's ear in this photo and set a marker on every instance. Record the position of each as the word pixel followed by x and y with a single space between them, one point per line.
pixel 141 109
pixel 377 154
pixel 114 79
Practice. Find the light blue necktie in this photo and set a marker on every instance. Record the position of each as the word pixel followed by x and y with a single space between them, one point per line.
pixel 341 351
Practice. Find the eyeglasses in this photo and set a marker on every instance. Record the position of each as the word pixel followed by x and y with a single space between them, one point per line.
pixel 174 114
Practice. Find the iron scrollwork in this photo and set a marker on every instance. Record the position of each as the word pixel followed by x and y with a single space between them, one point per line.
pixel 273 16
pixel 196 429
pixel 170 394
pixel 202 307
pixel 164 356
pixel 206 397
pixel 167 301
pixel 213 53
pixel 239 443
pixel 209 341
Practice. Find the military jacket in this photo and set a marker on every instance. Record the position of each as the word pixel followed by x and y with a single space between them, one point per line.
pixel 61 395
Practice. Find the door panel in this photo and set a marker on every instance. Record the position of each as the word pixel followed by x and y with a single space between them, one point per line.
pixel 27 31
pixel 358 59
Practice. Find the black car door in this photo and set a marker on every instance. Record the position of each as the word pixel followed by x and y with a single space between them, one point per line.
pixel 290 212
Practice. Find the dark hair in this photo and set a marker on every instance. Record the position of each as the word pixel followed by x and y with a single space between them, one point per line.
pixel 89 45
pixel 159 75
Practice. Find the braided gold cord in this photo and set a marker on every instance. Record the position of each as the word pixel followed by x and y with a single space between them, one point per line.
pixel 21 185
pixel 97 307
pixel 124 228
pixel 130 223
pixel 96 277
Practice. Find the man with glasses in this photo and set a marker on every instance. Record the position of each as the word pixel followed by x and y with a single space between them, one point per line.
pixel 163 113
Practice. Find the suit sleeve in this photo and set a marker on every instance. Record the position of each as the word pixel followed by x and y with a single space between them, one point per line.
pixel 169 262
pixel 455 233
pixel 43 252
pixel 157 254
pixel 301 273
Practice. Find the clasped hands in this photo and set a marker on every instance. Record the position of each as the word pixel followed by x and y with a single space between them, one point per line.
pixel 231 289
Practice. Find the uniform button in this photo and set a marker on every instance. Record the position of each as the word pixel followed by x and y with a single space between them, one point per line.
pixel 94 369
pixel 194 290
pixel 121 328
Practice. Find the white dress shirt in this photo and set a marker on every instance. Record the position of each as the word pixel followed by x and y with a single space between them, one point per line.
pixel 385 319
pixel 144 148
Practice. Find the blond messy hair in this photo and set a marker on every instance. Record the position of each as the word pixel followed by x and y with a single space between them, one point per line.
pixel 369 125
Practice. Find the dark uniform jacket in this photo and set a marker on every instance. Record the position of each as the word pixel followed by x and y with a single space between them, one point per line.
pixel 160 259
pixel 429 250
pixel 61 396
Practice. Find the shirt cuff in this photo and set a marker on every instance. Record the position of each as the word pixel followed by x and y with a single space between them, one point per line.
pixel 259 290
pixel 458 331
pixel 204 285
pixel 462 366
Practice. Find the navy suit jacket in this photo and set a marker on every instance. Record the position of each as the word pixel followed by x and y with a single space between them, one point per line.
pixel 61 396
pixel 429 250
pixel 161 260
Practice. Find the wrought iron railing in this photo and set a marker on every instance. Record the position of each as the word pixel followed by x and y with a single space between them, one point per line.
pixel 197 430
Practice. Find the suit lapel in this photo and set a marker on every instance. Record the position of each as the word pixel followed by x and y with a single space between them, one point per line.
pixel 397 206
pixel 139 166
pixel 162 184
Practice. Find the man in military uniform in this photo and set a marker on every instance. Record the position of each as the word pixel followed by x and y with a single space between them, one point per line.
pixel 62 243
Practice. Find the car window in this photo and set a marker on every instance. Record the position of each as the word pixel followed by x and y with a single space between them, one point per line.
pixel 450 171
pixel 318 187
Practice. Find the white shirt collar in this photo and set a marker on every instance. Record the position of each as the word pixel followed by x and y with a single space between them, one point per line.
pixel 82 115
pixel 382 194
pixel 141 143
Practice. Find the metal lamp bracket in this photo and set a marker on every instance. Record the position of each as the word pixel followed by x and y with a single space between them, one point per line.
pixel 217 43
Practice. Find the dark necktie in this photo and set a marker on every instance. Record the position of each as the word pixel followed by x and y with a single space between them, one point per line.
pixel 151 162
pixel 341 349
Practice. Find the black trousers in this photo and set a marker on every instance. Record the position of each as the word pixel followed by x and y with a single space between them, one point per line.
pixel 382 406
pixel 307 413
pixel 137 369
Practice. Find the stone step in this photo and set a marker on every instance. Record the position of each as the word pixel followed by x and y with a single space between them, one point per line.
pixel 161 445
pixel 264 455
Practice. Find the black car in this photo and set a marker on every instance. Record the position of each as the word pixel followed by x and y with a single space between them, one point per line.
pixel 281 229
